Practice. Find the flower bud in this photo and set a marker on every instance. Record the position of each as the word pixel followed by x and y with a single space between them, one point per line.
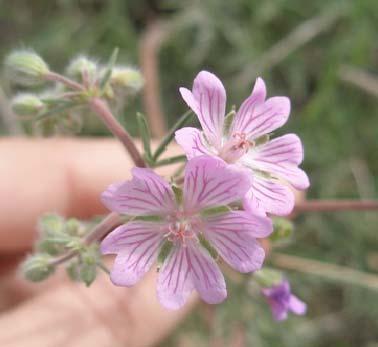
pixel 127 78
pixel 26 67
pixel 79 65
pixel 37 267
pixel 27 104
pixel 282 229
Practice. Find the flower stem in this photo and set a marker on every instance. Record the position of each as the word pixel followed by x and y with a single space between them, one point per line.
pixel 111 221
pixel 53 76
pixel 101 108
pixel 336 205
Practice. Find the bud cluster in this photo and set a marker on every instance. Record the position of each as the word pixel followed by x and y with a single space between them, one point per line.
pixel 58 236
pixel 66 96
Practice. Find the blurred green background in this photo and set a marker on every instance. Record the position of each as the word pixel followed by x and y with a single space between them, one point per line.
pixel 324 56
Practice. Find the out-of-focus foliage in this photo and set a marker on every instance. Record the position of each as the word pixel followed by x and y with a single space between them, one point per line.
pixel 337 121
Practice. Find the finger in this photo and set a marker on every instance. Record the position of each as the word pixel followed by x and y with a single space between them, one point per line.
pixel 102 315
pixel 65 176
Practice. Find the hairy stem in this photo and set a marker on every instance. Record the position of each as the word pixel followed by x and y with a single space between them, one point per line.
pixel 101 108
pixel 111 221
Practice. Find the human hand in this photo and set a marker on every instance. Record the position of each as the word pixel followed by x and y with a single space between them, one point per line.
pixel 67 176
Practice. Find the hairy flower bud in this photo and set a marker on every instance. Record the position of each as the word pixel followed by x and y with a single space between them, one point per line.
pixel 25 67
pixel 27 104
pixel 80 65
pixel 127 78
pixel 37 267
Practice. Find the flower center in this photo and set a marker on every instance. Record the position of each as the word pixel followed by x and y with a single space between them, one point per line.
pixel 236 146
pixel 180 231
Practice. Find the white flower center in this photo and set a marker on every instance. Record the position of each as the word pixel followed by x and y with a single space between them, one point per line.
pixel 235 147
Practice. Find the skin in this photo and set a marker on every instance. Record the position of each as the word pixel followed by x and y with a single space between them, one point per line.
pixel 66 176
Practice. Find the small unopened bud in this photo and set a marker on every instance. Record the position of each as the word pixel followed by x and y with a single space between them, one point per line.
pixel 37 267
pixel 26 67
pixel 127 78
pixel 282 229
pixel 27 104
pixel 80 65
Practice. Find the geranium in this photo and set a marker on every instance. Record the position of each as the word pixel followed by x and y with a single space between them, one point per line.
pixel 281 300
pixel 246 141
pixel 186 227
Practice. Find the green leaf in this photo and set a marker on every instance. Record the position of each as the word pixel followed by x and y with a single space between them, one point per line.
pixel 145 135
pixel 169 137
pixel 215 210
pixel 171 160
pixel 109 68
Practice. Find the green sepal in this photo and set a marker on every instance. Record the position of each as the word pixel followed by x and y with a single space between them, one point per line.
pixel 228 119
pixel 212 211
pixel 282 229
pixel 206 244
pixel 268 277
pixel 179 194
pixel 88 273
pixel 262 139
pixel 145 135
pixel 109 68
pixel 164 253
pixel 149 218
pixel 72 270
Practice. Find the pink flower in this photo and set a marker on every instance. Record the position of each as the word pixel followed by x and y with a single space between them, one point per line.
pixel 208 182
pixel 245 142
pixel 281 301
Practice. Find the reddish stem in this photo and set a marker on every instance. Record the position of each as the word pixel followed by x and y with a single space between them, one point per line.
pixel 336 205
pixel 101 108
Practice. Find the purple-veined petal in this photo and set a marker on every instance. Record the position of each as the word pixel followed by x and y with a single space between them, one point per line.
pixel 297 306
pixel 210 182
pixel 146 194
pixel 208 102
pixel 281 157
pixel 234 236
pixel 269 196
pixel 137 245
pixel 284 149
pixel 257 97
pixel 189 267
pixel 192 142
pixel 257 117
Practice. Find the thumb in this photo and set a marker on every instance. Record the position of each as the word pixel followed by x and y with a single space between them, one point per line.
pixel 59 175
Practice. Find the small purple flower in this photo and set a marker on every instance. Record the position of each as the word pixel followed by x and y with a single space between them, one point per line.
pixel 281 301
pixel 245 143
pixel 208 182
